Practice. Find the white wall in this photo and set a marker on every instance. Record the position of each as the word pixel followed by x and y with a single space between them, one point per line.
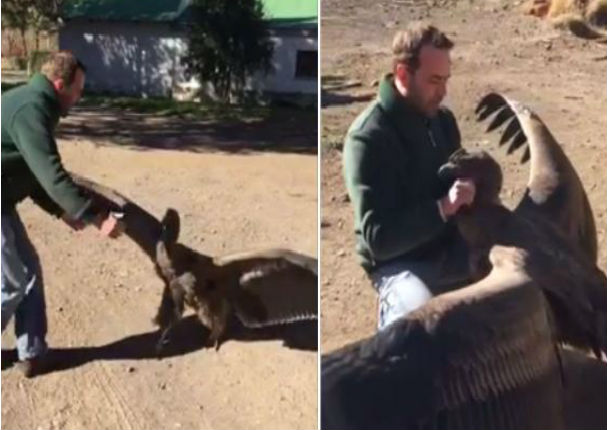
pixel 144 58
pixel 133 58
pixel 282 79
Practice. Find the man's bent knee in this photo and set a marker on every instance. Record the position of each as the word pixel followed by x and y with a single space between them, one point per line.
pixel 399 295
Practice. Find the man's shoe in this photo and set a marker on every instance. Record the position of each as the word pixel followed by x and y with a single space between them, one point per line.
pixel 9 358
pixel 33 366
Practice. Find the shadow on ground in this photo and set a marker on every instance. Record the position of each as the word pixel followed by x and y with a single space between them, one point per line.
pixel 334 99
pixel 334 91
pixel 189 336
pixel 283 131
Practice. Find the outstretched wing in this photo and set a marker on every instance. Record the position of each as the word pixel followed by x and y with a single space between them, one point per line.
pixel 585 388
pixel 575 289
pixel 276 287
pixel 141 226
pixel 554 189
pixel 479 357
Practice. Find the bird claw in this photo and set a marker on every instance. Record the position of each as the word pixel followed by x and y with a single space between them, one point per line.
pixel 162 341
pixel 214 342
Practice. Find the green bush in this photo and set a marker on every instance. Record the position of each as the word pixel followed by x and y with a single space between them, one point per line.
pixel 228 41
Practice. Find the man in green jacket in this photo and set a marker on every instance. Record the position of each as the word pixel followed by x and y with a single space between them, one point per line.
pixel 402 209
pixel 32 167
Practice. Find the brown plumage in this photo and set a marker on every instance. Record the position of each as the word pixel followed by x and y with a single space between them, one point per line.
pixel 585 388
pixel 554 190
pixel 556 196
pixel 485 356
pixel 261 288
pixel 481 357
pixel 140 226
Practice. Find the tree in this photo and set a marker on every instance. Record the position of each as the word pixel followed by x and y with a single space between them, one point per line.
pixel 50 10
pixel 38 15
pixel 228 41
pixel 17 14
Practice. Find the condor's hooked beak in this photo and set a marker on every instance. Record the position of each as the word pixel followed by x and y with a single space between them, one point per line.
pixel 448 172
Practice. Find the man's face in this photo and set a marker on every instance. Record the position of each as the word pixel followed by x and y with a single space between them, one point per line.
pixel 69 95
pixel 427 86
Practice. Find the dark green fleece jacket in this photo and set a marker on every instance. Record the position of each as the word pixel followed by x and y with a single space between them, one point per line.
pixel 391 157
pixel 31 164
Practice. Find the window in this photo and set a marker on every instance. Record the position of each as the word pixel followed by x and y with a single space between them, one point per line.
pixel 306 66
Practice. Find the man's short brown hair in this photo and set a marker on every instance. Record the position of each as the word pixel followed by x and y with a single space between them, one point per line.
pixel 408 43
pixel 61 65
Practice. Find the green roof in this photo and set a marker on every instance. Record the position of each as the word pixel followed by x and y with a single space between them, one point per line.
pixel 291 12
pixel 127 10
pixel 279 13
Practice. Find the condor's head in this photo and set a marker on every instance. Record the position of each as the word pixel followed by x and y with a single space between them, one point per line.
pixel 481 168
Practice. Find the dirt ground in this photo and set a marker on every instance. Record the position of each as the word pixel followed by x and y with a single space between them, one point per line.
pixel 497 48
pixel 240 193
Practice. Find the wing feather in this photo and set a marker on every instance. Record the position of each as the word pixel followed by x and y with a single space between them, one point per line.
pixel 140 225
pixel 554 188
pixel 464 356
pixel 275 287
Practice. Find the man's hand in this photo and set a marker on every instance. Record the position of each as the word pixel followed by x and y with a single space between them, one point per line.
pixel 460 194
pixel 109 225
pixel 73 223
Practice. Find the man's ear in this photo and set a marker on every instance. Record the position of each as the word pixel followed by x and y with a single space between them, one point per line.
pixel 402 74
pixel 59 85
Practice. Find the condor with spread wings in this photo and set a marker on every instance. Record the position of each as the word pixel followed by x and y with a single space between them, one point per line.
pixel 263 288
pixel 481 357
pixel 486 355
